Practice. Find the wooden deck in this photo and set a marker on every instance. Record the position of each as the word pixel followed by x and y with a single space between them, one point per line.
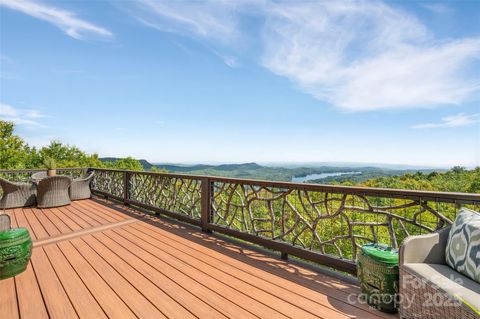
pixel 97 259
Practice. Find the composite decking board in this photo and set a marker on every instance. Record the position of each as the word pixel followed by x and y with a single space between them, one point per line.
pixel 40 231
pixel 29 297
pixel 56 299
pixel 93 217
pixel 190 297
pixel 223 248
pixel 105 211
pixel 84 303
pixel 49 226
pixel 153 293
pixel 23 222
pixel 66 219
pixel 262 290
pixel 8 299
pixel 119 210
pixel 80 233
pixel 248 268
pixel 106 297
pixel 253 298
pixel 85 219
pixel 59 223
pixel 305 298
pixel 221 297
pixel 136 301
pixel 80 221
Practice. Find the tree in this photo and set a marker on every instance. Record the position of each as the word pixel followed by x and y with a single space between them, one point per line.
pixel 67 156
pixel 127 163
pixel 13 150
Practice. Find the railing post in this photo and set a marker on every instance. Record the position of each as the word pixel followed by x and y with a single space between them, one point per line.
pixel 206 194
pixel 126 188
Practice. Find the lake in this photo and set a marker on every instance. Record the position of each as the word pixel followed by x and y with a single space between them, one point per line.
pixel 310 177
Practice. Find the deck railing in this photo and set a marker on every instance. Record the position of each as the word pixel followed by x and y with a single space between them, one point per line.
pixel 321 223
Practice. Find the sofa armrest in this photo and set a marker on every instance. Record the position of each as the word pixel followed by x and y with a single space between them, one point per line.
pixel 428 249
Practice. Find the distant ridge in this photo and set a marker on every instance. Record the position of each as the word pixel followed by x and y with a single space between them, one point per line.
pixel 187 168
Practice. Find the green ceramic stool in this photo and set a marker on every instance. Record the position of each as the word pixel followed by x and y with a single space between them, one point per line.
pixel 378 275
pixel 15 251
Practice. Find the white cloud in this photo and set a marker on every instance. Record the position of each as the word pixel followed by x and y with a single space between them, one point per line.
pixel 363 56
pixel 65 20
pixel 208 19
pixel 437 8
pixel 21 117
pixel 457 120
pixel 355 55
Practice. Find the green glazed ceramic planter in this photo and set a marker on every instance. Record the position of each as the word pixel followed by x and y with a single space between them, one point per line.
pixel 15 251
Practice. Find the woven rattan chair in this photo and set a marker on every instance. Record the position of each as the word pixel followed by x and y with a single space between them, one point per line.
pixel 80 188
pixel 16 194
pixel 428 286
pixel 38 176
pixel 53 191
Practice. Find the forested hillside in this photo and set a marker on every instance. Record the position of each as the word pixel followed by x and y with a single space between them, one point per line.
pixel 15 153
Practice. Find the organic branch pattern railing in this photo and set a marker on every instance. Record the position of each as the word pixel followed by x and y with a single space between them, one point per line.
pixel 328 222
pixel 109 182
pixel 174 194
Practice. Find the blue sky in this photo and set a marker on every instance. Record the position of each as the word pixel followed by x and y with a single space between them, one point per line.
pixel 393 82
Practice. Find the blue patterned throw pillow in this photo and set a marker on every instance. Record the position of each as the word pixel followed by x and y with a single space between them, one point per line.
pixel 463 247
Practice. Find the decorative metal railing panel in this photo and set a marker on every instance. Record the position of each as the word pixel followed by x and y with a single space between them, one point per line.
pixel 109 182
pixel 174 194
pixel 328 222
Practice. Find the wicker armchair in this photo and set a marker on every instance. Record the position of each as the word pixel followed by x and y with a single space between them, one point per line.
pixel 53 191
pixel 80 188
pixel 16 194
pixel 38 176
pixel 431 289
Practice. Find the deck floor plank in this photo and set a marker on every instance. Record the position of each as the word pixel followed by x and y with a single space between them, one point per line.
pixel 68 220
pixel 108 299
pixel 30 300
pixel 221 297
pixel 102 210
pixel 59 223
pixel 194 297
pixel 256 277
pixel 93 215
pixel 136 301
pixel 209 253
pixel 22 221
pixel 49 226
pixel 37 226
pixel 91 222
pixel 8 298
pixel 56 300
pixel 157 296
pixel 257 289
pixel 79 220
pixel 85 304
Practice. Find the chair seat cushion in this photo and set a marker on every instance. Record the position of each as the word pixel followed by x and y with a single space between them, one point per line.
pixel 463 247
pixel 448 280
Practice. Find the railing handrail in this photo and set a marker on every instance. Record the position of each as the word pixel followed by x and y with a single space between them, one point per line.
pixel 450 197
